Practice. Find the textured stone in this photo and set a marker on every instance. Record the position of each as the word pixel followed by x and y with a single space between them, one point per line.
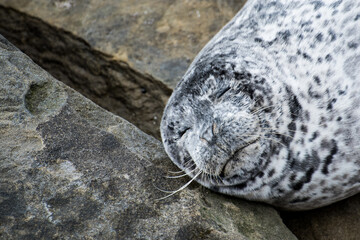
pixel 71 170
pixel 156 37
pixel 335 222
pixel 112 84
pixel 115 52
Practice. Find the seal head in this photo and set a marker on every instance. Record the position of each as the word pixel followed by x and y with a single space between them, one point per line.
pixel 269 110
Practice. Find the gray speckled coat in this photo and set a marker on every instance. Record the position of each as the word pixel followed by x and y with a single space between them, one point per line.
pixel 269 110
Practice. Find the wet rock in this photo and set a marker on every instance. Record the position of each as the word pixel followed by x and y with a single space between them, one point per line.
pixel 71 170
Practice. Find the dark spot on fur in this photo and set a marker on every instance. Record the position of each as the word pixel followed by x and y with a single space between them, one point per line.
pixel 298 186
pixel 171 126
pixel 317 80
pixel 341 92
pixel 305 179
pixel 294 105
pixel 306 56
pixel 336 4
pixel 314 136
pixel 339 119
pixel 330 104
pixel 307 23
pixel 319 37
pixel 317 4
pixel 332 35
pixel 328 57
pixel 271 173
pixel 260 81
pixel 285 35
pixel 313 94
pixel 259 175
pixel 353 45
pixel 357 17
pixel 329 158
pixel 319 60
pixel 308 175
pixel 292 163
pixel 303 128
pixel 292 177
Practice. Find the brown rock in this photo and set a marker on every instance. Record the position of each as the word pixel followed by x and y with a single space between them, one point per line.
pixel 156 37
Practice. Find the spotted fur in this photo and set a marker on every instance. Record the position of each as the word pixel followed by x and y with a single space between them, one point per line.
pixel 269 109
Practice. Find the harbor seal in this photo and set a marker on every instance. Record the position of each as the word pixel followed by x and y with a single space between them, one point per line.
pixel 269 109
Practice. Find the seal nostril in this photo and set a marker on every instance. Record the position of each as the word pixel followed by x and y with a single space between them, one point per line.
pixel 222 173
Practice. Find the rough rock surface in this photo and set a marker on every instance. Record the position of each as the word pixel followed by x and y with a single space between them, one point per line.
pixel 339 221
pixel 71 170
pixel 156 37
pixel 112 84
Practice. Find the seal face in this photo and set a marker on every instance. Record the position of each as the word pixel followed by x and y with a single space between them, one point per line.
pixel 269 110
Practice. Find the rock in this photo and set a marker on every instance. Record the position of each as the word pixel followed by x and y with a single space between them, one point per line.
pixel 337 221
pixel 156 37
pixel 113 85
pixel 85 44
pixel 71 170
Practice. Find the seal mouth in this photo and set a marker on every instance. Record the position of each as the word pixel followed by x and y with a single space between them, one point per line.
pixel 233 158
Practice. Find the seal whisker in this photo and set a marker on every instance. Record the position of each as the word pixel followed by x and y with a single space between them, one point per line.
pixel 183 175
pixel 185 167
pixel 277 141
pixel 179 176
pixel 181 188
pixel 262 109
pixel 182 171
pixel 176 172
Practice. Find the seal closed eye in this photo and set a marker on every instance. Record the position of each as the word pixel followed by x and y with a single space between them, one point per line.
pixel 265 115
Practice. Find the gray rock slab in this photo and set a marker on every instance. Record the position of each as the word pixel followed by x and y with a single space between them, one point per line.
pixel 71 170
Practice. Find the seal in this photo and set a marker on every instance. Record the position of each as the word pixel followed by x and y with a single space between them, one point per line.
pixel 269 109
